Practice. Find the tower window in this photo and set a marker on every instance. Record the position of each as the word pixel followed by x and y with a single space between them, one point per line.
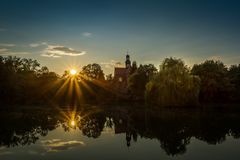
pixel 120 79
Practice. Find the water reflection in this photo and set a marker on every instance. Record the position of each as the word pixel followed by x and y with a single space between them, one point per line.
pixel 172 128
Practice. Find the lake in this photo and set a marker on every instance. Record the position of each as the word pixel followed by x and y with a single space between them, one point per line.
pixel 119 132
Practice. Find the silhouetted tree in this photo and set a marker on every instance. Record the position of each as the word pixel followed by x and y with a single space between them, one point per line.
pixel 133 68
pixel 93 71
pixel 109 77
pixel 234 76
pixel 215 83
pixel 138 80
pixel 22 81
pixel 173 85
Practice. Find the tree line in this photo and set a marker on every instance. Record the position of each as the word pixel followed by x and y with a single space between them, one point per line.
pixel 25 81
pixel 176 84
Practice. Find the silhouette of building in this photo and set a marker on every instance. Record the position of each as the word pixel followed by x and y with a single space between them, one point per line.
pixel 121 74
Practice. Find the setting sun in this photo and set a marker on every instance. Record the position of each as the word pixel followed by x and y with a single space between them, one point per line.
pixel 73 72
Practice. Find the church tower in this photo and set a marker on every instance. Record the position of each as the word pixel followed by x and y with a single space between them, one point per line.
pixel 127 62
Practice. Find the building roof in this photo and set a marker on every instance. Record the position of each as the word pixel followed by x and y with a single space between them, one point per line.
pixel 120 71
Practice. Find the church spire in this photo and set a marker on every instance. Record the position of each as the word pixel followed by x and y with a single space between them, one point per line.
pixel 127 62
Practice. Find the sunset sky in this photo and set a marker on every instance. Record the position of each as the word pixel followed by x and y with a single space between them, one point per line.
pixel 65 33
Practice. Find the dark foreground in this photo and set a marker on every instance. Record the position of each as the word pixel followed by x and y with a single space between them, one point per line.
pixel 119 132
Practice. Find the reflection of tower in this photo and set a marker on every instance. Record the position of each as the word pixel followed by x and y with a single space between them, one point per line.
pixel 128 62
pixel 128 138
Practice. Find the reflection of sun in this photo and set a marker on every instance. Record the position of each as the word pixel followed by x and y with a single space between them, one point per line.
pixel 73 72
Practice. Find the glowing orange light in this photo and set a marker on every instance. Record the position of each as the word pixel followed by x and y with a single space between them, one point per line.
pixel 73 72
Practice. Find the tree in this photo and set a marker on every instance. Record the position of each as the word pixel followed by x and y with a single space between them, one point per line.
pixel 22 82
pixel 93 83
pixel 173 85
pixel 133 68
pixel 138 80
pixel 148 69
pixel 30 65
pixel 10 86
pixel 93 71
pixel 109 77
pixel 234 76
pixel 215 83
pixel 43 70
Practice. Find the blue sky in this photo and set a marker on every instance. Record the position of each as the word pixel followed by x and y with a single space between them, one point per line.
pixel 65 33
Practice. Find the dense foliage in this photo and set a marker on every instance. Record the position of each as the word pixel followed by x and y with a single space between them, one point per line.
pixel 173 85
pixel 24 81
pixel 234 77
pixel 93 71
pixel 139 78
pixel 215 81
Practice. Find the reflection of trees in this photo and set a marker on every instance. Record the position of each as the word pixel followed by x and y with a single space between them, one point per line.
pixel 24 129
pixel 131 135
pixel 172 128
pixel 91 123
pixel 170 131
pixel 213 128
pixel 172 134
pixel 92 126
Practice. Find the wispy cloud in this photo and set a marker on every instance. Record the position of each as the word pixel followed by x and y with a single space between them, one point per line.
pixel 87 34
pixel 3 50
pixel 57 145
pixel 112 64
pixel 56 51
pixel 7 45
pixel 12 53
pixel 33 45
pixel 6 50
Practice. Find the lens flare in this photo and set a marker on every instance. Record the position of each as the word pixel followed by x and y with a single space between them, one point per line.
pixel 73 72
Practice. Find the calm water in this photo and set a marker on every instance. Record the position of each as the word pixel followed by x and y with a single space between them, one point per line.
pixel 119 133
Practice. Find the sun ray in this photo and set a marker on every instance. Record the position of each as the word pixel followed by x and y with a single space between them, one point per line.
pixel 62 87
pixel 86 85
pixel 78 92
